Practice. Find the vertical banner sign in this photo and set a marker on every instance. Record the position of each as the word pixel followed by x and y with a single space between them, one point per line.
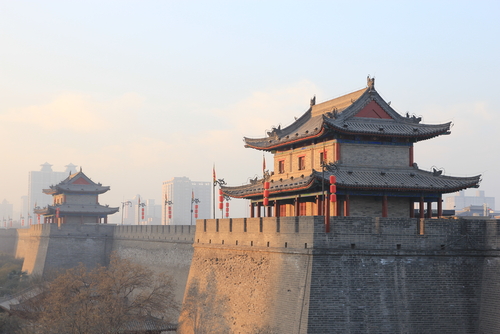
pixel 196 211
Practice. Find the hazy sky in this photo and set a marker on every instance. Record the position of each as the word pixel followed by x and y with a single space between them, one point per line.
pixel 137 92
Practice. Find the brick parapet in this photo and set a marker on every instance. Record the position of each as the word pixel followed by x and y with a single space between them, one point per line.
pixel 398 234
pixel 173 233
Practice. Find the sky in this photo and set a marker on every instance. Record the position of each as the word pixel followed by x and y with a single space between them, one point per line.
pixel 139 92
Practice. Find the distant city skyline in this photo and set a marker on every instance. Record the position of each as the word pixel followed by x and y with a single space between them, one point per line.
pixel 136 93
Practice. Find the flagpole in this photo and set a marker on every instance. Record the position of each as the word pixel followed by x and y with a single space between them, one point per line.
pixel 214 181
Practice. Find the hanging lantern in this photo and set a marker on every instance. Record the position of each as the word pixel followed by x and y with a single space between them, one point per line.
pixel 333 188
pixel 266 193
pixel 169 212
pixel 38 219
pixel 142 213
pixel 221 200
pixel 57 213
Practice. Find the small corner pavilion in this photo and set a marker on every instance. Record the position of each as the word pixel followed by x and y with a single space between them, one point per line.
pixel 75 200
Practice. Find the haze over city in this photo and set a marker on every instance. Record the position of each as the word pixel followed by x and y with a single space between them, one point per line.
pixel 136 93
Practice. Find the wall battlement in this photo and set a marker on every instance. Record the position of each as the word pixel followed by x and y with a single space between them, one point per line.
pixel 351 233
pixel 172 233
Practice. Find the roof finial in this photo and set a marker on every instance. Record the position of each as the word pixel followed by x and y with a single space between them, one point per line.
pixel 313 100
pixel 370 82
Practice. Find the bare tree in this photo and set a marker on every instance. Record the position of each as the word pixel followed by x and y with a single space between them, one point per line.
pixel 101 300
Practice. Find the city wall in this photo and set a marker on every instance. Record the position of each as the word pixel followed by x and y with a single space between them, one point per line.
pixel 368 275
pixel 286 275
pixel 162 248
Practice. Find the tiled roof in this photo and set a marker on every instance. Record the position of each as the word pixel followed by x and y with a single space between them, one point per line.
pixel 339 115
pixel 403 178
pixel 69 185
pixel 275 187
pixel 77 208
pixel 410 179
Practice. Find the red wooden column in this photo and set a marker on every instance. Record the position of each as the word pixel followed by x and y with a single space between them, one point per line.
pixel 338 208
pixel 297 206
pixel 276 208
pixel 259 205
pixel 252 210
pixel 384 206
pixel 269 211
pixel 429 210
pixel 412 208
pixel 411 156
pixel 440 207
pixel 421 207
pixel 347 206
pixel 319 203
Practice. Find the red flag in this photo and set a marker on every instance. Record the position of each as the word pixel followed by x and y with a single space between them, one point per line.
pixel 324 155
pixel 213 173
pixel 263 164
pixel 192 194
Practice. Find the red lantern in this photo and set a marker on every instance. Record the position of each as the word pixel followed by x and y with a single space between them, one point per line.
pixel 57 213
pixel 266 201
pixel 266 185
pixel 333 198
pixel 333 179
pixel 266 193
pixel 333 188
pixel 142 213
pixel 220 191
pixel 221 206
pixel 38 219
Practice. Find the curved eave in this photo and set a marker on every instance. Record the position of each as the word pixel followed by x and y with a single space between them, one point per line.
pixel 259 192
pixel 64 190
pixel 441 190
pixel 318 134
pixel 416 136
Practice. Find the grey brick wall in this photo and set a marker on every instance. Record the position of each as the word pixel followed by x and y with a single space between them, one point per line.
pixel 374 155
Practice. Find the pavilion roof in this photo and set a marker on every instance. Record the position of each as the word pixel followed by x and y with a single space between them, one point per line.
pixel 92 209
pixel 77 182
pixel 353 178
pixel 363 112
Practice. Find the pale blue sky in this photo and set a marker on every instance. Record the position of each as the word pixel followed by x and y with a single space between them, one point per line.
pixel 138 92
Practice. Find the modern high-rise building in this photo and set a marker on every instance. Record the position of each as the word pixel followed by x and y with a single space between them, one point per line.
pixel 6 210
pixel 43 179
pixel 184 195
pixel 459 201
